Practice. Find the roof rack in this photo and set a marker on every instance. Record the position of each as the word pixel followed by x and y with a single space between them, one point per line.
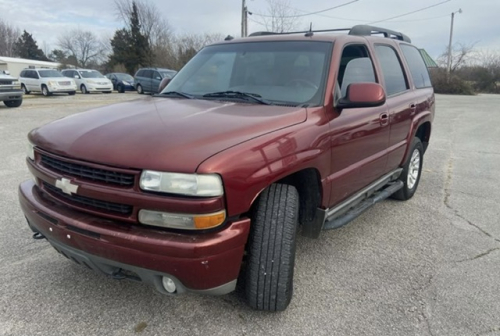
pixel 359 30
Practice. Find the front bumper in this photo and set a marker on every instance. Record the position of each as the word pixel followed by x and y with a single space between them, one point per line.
pixel 11 95
pixel 62 89
pixel 99 88
pixel 207 263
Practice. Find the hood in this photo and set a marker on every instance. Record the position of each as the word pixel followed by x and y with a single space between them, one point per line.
pixel 165 134
pixel 8 77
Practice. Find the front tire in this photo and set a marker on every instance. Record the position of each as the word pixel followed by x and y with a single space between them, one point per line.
pixel 25 90
pixel 271 249
pixel 45 91
pixel 13 103
pixel 83 89
pixel 139 89
pixel 72 93
pixel 121 89
pixel 107 92
pixel 412 170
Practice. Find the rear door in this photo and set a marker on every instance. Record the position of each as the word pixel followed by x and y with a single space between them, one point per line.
pixel 146 80
pixel 400 100
pixel 34 81
pixel 359 136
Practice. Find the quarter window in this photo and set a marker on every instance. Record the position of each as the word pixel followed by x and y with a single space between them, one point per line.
pixel 417 66
pixel 394 77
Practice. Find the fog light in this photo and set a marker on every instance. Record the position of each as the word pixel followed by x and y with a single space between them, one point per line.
pixel 169 285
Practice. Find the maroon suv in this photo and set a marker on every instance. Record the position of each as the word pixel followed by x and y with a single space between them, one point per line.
pixel 209 181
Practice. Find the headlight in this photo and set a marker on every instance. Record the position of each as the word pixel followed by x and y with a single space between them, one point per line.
pixel 183 184
pixel 91 82
pixel 17 84
pixel 51 83
pixel 126 83
pixel 181 221
pixel 31 151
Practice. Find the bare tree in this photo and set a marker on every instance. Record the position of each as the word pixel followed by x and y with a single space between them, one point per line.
pixel 8 37
pixel 280 17
pixel 187 45
pixel 83 45
pixel 461 55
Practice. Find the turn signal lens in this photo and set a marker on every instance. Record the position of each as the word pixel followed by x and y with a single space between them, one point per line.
pixel 209 221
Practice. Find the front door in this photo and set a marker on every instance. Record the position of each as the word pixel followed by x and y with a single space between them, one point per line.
pixel 359 136
pixel 155 82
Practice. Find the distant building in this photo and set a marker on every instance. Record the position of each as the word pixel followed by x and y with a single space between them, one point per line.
pixel 16 65
pixel 429 62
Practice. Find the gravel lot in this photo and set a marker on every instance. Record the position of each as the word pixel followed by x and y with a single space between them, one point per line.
pixel 430 266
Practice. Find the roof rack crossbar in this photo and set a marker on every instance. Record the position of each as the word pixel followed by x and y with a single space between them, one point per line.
pixel 264 33
pixel 365 30
pixel 359 30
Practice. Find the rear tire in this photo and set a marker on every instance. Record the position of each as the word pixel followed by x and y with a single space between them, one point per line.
pixel 271 249
pixel 412 170
pixel 107 92
pixel 139 89
pixel 72 93
pixel 13 103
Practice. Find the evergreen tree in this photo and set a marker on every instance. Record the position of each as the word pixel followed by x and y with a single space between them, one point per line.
pixel 130 47
pixel 26 47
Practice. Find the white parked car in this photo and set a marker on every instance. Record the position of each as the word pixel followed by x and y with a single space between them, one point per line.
pixel 89 80
pixel 46 81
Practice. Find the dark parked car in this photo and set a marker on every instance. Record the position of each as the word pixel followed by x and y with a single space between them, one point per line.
pixel 148 80
pixel 121 81
pixel 208 182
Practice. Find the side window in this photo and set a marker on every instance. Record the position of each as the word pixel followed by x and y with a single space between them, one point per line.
pixel 394 77
pixel 139 73
pixel 156 75
pixel 147 73
pixel 34 74
pixel 417 66
pixel 22 74
pixel 355 67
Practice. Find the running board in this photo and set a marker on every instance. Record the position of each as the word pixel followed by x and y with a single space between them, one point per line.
pixel 357 210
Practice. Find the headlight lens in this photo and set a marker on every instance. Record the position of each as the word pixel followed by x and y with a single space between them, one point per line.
pixel 51 83
pixel 17 84
pixel 125 83
pixel 31 151
pixel 181 221
pixel 183 184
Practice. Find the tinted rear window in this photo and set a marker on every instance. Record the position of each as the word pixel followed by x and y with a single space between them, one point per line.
pixel 392 70
pixel 416 63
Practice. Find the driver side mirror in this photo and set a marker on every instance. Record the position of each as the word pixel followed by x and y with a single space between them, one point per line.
pixel 362 95
pixel 77 77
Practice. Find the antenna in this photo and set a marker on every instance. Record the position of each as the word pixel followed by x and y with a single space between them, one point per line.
pixel 310 32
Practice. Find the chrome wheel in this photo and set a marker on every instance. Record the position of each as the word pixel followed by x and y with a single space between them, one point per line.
pixel 413 169
pixel 45 91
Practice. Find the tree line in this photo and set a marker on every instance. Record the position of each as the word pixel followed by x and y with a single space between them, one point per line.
pixel 146 39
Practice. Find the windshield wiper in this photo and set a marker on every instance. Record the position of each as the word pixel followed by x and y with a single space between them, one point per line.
pixel 237 94
pixel 176 93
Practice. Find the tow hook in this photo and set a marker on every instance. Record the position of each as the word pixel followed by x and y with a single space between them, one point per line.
pixel 38 236
pixel 118 274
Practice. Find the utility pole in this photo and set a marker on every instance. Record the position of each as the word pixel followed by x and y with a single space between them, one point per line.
pixel 244 19
pixel 448 71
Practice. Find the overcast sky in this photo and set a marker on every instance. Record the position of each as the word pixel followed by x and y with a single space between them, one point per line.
pixel 428 29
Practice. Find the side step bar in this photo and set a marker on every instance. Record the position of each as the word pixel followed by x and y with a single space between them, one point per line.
pixel 357 210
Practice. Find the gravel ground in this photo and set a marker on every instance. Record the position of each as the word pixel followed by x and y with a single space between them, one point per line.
pixel 430 266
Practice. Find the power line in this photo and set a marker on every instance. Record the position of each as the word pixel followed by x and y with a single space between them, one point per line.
pixel 307 14
pixel 415 11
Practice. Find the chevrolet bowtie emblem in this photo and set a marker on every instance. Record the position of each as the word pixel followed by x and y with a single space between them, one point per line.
pixel 66 186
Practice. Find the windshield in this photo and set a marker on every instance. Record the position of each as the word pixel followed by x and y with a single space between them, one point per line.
pixel 289 72
pixel 125 77
pixel 49 73
pixel 91 74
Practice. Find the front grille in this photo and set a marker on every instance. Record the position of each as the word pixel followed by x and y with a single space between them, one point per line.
pixel 89 203
pixel 85 172
pixel 6 82
pixel 64 83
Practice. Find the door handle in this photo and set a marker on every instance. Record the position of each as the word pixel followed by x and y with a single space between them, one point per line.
pixel 413 108
pixel 384 119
